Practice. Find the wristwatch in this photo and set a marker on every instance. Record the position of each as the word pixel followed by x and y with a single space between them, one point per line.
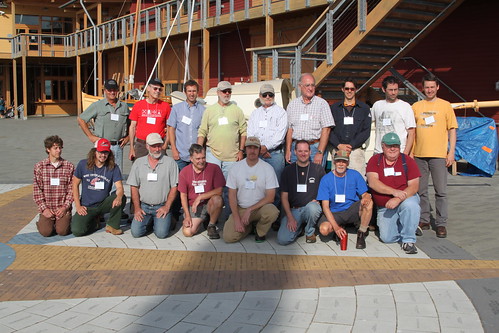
pixel 320 151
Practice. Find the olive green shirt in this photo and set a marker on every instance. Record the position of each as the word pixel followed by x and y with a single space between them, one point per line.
pixel 103 114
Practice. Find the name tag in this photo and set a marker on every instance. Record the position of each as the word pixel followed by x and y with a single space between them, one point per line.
pixel 151 120
pixel 398 173
pixel 348 120
pixel 262 123
pixel 54 181
pixel 250 185
pixel 387 122
pixel 429 120
pixel 99 185
pixel 115 117
pixel 339 198
pixel 152 177
pixel 389 172
pixel 199 189
pixel 304 117
pixel 301 188
pixel 223 121
pixel 186 120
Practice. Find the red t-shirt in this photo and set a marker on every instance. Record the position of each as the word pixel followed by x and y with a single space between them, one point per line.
pixel 150 118
pixel 398 181
pixel 210 178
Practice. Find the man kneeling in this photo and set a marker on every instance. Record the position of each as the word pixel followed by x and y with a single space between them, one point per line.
pixel 394 180
pixel 153 184
pixel 340 191
pixel 200 185
pixel 252 184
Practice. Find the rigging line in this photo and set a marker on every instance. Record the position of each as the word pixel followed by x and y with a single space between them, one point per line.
pixel 242 48
pixel 180 61
pixel 100 55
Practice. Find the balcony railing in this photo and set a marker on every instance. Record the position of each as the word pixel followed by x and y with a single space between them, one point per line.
pixel 154 22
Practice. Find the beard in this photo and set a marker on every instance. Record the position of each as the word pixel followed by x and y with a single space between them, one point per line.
pixel 156 156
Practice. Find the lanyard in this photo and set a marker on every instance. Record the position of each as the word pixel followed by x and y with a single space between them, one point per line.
pixel 353 112
pixel 345 188
pixel 306 177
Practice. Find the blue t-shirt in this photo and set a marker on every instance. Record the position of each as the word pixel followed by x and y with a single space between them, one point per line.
pixel 355 186
pixel 92 193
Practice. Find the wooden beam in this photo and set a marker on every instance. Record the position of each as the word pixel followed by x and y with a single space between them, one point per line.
pixel 78 85
pixel 269 41
pixel 25 86
pixel 206 61
pixel 159 45
pixel 126 65
pixel 14 80
pixel 99 13
pixel 100 75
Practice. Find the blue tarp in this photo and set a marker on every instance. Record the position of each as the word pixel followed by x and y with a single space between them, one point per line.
pixel 477 144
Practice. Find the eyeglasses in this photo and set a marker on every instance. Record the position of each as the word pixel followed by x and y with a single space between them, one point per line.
pixel 227 91
pixel 157 88
pixel 308 85
pixel 265 95
pixel 349 89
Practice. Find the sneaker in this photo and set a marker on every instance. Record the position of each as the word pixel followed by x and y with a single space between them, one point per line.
pixel 419 231
pixel 212 231
pixel 311 239
pixel 361 240
pixel 259 239
pixel 409 248
pixel 113 231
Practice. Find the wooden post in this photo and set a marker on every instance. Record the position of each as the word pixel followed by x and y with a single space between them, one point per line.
pixel 269 41
pixel 14 80
pixel 100 81
pixel 8 96
pixel 25 87
pixel 206 61
pixel 159 68
pixel 126 65
pixel 78 85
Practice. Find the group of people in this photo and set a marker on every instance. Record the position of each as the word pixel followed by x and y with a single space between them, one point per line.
pixel 250 173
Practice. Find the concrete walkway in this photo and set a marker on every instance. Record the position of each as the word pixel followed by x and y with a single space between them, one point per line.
pixel 106 283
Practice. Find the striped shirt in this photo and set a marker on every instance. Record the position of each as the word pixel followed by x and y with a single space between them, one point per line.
pixel 269 125
pixel 308 120
pixel 52 187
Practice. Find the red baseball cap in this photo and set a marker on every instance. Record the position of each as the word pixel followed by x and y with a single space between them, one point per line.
pixel 103 145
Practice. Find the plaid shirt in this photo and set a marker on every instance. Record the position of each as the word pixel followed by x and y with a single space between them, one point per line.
pixel 53 196
pixel 316 116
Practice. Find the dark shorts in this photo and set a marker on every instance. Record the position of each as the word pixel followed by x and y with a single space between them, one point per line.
pixel 349 216
pixel 201 212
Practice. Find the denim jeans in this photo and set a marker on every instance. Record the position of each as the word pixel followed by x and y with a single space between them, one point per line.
pixel 276 160
pixel 181 164
pixel 161 225
pixel 313 150
pixel 308 214
pixel 118 156
pixel 399 224
pixel 225 166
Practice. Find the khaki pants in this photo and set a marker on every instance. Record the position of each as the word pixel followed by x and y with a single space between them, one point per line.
pixel 46 226
pixel 357 161
pixel 261 218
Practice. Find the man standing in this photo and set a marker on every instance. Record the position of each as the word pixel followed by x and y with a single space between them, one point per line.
pixel 110 116
pixel 345 200
pixel 393 115
pixel 223 129
pixel 353 127
pixel 309 119
pixel 153 184
pixel 52 190
pixel 97 175
pixel 434 148
pixel 299 185
pixel 394 180
pixel 148 116
pixel 252 184
pixel 200 186
pixel 183 124
pixel 269 124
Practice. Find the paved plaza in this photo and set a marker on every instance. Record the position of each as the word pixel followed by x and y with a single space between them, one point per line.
pixel 107 283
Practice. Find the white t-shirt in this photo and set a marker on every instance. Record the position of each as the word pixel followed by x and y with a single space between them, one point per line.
pixel 392 117
pixel 251 182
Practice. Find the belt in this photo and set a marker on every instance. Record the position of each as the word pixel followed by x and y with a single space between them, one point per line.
pixel 310 142
pixel 278 148
pixel 140 140
pixel 114 143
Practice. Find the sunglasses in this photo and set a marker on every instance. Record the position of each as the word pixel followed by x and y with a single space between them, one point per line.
pixel 349 89
pixel 157 88
pixel 227 91
pixel 271 95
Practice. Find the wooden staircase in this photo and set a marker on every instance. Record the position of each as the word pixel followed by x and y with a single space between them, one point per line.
pixel 392 28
